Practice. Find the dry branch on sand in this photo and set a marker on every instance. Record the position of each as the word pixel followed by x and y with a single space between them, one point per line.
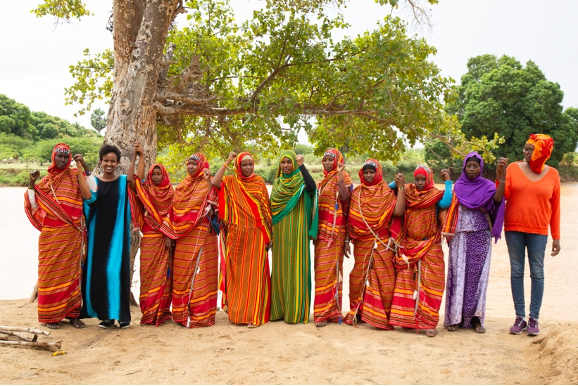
pixel 16 336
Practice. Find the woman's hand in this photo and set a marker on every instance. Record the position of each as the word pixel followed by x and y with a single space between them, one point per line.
pixel 138 149
pixel 501 171
pixel 34 174
pixel 445 173
pixel 207 175
pixel 168 243
pixel 399 180
pixel 340 168
pixel 80 163
pixel 299 159
pixel 555 247
pixel 232 156
pixel 346 249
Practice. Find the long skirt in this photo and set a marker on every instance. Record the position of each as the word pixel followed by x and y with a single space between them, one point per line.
pixel 468 274
pixel 155 280
pixel 328 283
pixel 59 251
pixel 248 284
pixel 371 284
pixel 418 292
pixel 195 278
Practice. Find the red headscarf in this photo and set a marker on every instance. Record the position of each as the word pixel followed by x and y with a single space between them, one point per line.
pixel 162 194
pixel 58 149
pixel 202 163
pixel 337 159
pixel 543 146
pixel 378 172
pixel 238 161
pixel 427 173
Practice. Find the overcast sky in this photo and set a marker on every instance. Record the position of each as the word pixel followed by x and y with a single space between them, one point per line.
pixel 35 54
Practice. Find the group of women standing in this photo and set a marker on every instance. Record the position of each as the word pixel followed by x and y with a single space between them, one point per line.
pixel 396 230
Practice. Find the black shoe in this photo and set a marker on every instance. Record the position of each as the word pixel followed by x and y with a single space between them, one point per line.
pixel 106 323
pixel 124 325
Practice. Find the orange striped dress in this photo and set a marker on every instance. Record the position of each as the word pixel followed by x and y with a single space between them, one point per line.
pixel 155 279
pixel 333 204
pixel 195 264
pixel 420 263
pixel 245 211
pixel 58 217
pixel 372 279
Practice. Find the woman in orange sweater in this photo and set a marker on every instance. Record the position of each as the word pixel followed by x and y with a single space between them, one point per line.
pixel 532 204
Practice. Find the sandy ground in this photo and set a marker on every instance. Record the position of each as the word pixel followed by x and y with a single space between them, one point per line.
pixel 279 353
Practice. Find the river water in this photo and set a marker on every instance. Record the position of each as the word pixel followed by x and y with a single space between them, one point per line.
pixel 19 253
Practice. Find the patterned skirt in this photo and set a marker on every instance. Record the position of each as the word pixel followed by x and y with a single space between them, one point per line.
pixel 155 280
pixel 59 296
pixel 195 278
pixel 418 292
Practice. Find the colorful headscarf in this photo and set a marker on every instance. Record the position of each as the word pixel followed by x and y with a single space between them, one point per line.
pixel 543 146
pixel 373 164
pixel 287 188
pixel 427 173
pixel 372 205
pixel 156 199
pixel 337 159
pixel 479 194
pixel 240 158
pixel 60 148
pixel 202 163
pixel 256 200
pixel 190 201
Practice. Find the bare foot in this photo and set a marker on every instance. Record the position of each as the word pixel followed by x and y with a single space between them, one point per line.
pixel 77 323
pixel 322 323
pixel 53 326
pixel 453 327
pixel 431 332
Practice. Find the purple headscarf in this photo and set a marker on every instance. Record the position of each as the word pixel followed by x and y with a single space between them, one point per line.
pixel 479 194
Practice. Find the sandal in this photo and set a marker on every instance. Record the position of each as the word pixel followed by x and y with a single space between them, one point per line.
pixel 322 323
pixel 124 325
pixel 53 326
pixel 453 327
pixel 251 325
pixel 430 333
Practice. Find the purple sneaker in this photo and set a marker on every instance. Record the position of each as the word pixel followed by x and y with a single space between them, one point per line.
pixel 519 326
pixel 533 328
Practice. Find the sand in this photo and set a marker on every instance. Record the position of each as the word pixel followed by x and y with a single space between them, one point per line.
pixel 279 353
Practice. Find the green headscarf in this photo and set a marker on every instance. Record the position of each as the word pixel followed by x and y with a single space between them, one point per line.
pixel 287 189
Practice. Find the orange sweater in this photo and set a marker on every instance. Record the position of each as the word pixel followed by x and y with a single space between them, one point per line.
pixel 532 205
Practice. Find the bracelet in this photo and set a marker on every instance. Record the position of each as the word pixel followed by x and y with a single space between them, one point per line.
pixel 226 165
pixel 400 188
pixel 503 181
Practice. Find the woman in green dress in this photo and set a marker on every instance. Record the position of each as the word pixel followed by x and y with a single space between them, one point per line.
pixel 293 205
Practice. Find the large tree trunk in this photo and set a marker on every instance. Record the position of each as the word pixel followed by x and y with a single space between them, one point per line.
pixel 140 29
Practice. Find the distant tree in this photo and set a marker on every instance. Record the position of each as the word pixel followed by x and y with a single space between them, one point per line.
pixel 499 95
pixel 98 120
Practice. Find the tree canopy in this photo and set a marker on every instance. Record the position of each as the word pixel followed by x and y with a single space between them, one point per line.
pixel 211 84
pixel 500 95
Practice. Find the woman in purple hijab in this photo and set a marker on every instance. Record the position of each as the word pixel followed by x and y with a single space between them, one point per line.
pixel 480 218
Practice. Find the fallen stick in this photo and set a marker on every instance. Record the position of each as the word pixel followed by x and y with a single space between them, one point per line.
pixel 24 329
pixel 52 346
pixel 6 335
